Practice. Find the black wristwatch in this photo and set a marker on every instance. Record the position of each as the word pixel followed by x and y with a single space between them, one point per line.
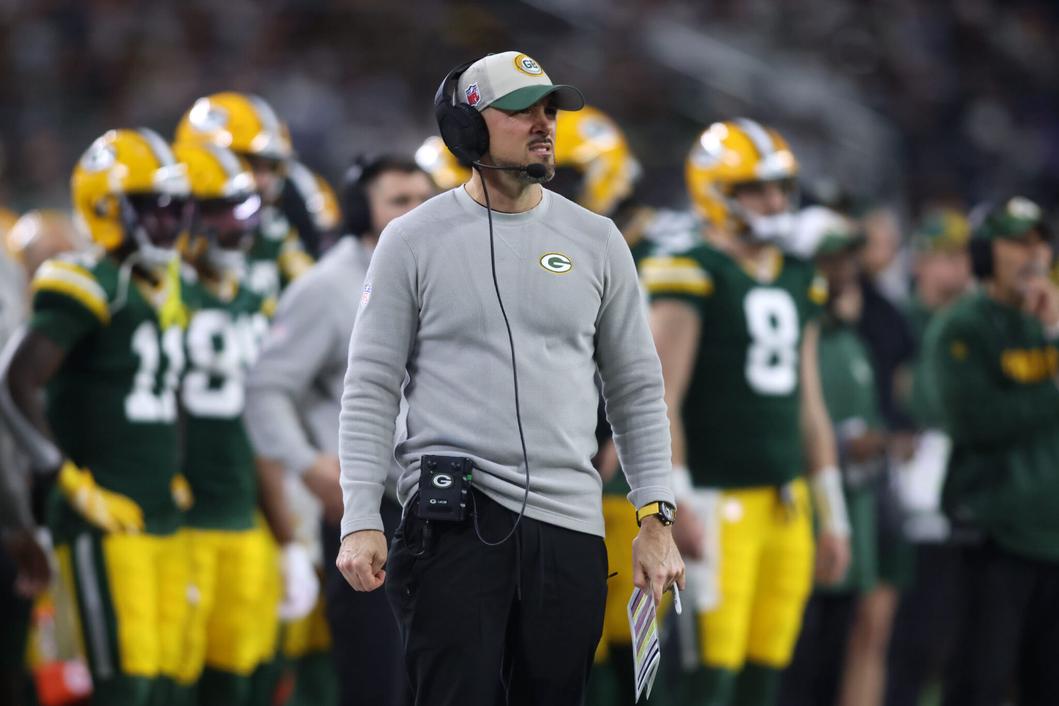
pixel 665 512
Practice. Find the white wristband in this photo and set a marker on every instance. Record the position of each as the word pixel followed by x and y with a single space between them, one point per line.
pixel 681 482
pixel 830 502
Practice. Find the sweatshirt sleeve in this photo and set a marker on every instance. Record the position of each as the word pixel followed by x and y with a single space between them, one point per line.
pixel 379 349
pixel 977 409
pixel 298 344
pixel 632 379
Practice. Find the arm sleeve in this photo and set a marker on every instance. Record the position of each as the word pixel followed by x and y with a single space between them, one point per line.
pixel 298 344
pixel 379 348
pixel 977 411
pixel 632 380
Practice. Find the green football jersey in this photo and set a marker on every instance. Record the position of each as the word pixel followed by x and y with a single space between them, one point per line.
pixel 741 409
pixel 223 338
pixel 654 232
pixel 112 404
pixel 276 257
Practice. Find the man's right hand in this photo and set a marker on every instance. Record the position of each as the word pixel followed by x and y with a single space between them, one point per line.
pixel 322 480
pixel 361 559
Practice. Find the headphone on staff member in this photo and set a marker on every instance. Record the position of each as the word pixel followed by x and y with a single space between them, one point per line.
pixel 356 206
pixel 463 128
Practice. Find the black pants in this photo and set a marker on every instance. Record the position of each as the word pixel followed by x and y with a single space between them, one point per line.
pixel 812 679
pixel 514 624
pixel 365 642
pixel 1008 637
pixel 924 631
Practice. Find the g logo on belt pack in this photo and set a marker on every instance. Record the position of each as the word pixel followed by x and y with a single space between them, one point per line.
pixel 556 262
pixel 441 480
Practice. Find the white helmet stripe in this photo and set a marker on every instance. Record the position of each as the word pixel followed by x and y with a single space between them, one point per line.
pixel 758 135
pixel 269 122
pixel 228 161
pixel 159 147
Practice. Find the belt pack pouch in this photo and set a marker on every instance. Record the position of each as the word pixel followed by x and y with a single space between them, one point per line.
pixel 444 488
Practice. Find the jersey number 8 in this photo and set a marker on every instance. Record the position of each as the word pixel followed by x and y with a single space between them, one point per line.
pixel 772 357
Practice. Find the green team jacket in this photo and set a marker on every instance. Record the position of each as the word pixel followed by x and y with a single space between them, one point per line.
pixel 994 376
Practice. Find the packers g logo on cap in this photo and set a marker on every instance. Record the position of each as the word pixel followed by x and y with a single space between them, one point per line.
pixel 528 66
pixel 556 262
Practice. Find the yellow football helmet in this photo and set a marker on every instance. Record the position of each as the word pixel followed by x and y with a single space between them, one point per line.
pixel 739 153
pixel 434 158
pixel 7 219
pixel 39 235
pixel 241 122
pixel 127 189
pixel 603 169
pixel 225 204
pixel 320 198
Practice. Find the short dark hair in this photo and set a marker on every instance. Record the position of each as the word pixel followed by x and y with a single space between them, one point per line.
pixel 361 174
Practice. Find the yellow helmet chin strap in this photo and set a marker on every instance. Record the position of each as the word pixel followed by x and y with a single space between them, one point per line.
pixel 173 312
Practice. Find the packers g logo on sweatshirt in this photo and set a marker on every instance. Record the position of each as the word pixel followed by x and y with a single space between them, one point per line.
pixel 556 262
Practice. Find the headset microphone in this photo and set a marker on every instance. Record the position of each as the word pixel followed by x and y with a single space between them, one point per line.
pixel 533 171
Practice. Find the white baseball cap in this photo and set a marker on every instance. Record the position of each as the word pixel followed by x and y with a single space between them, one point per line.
pixel 512 81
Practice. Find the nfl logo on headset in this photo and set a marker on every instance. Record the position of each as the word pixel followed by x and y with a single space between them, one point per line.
pixel 473 96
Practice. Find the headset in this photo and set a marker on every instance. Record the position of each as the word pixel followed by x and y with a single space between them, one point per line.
pixel 464 132
pixel 356 210
pixel 981 252
pixel 980 248
pixel 356 207
pixel 462 127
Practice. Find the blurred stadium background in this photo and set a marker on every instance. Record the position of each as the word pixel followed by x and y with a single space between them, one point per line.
pixel 892 101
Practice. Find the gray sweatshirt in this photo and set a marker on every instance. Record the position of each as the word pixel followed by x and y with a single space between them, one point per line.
pixel 428 310
pixel 294 389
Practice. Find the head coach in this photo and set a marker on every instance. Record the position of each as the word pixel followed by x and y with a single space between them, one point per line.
pixel 492 307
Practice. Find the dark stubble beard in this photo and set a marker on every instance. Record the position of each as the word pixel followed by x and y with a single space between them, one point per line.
pixel 549 174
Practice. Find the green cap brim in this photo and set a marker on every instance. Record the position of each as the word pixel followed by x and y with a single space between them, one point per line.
pixel 834 243
pixel 566 98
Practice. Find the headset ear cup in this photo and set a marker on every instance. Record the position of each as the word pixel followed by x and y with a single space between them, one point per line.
pixel 463 130
pixel 357 208
pixel 981 251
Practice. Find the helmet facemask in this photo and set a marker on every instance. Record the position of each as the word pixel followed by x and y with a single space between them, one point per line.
pixel 228 226
pixel 773 227
pixel 154 222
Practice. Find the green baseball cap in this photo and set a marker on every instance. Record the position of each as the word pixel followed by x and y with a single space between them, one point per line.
pixel 1011 219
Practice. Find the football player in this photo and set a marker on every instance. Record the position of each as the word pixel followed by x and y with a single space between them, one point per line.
pixel 105 343
pixel 733 323
pixel 248 126
pixel 40 235
pixel 233 630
